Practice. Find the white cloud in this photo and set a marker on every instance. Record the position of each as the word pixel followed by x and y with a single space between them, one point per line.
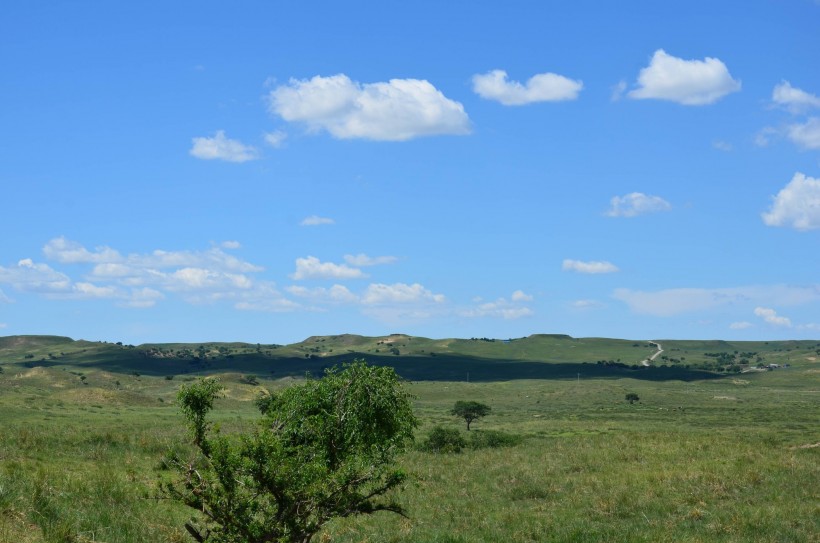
pixel 141 280
pixel 315 220
pixel 220 147
pixel 586 304
pixel 588 267
pixel 805 135
pixel 399 293
pixel 721 145
pixel 521 296
pixel 71 252
pixel 334 294
pixel 618 91
pixel 687 82
pixel 794 99
pixel 668 302
pixel 3 325
pixel 770 316
pixel 546 87
pixel 398 110
pixel 28 276
pixel 636 203
pixel 763 137
pixel 796 205
pixel 90 290
pixel 361 260
pixel 312 268
pixel 501 308
pixel 142 298
pixel 276 138
pixel 741 325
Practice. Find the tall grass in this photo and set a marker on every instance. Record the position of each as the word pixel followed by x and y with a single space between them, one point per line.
pixel 728 460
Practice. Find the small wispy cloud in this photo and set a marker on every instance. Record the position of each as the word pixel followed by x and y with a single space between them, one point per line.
pixel 741 325
pixel 721 145
pixel 591 267
pixel 805 135
pixel 399 293
pixel 312 268
pixel 586 304
pixel 362 260
pixel 315 220
pixel 636 203
pixel 770 316
pixel 503 308
pixel 276 139
pixel 220 147
pixel 794 99
pixel 521 296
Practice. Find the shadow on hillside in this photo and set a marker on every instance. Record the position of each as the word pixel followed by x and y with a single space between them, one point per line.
pixel 413 368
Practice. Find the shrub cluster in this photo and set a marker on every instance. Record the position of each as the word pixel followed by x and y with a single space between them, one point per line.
pixel 451 440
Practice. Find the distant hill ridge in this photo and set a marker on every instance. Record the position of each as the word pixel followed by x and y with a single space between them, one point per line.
pixel 417 358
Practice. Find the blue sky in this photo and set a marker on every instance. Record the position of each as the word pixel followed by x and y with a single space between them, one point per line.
pixel 266 171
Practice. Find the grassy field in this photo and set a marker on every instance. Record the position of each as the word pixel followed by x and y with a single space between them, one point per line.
pixel 703 456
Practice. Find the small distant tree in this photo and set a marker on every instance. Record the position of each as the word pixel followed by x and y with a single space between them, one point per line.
pixel 323 449
pixel 470 411
pixel 632 398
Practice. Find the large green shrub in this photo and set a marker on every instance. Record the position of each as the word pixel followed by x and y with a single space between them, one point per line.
pixel 323 449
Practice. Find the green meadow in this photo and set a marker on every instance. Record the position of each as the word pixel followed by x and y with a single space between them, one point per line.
pixel 719 447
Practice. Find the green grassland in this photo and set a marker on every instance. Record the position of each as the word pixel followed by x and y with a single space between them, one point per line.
pixel 715 450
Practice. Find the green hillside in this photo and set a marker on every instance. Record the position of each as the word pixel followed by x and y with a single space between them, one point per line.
pixel 416 358
pixel 715 449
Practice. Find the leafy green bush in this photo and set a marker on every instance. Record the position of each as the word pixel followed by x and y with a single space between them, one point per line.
pixel 492 439
pixel 325 448
pixel 444 440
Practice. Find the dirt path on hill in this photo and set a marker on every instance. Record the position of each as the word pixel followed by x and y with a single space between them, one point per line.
pixel 647 361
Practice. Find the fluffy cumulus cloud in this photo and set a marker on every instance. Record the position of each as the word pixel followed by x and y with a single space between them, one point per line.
pixel 316 220
pixel 312 268
pixel 797 205
pixel 397 110
pixel 794 99
pixel 805 135
pixel 770 316
pixel 636 203
pixel 687 82
pixel 141 280
pixel 70 252
pixel 546 87
pixel 361 260
pixel 592 267
pixel 29 276
pixel 676 301
pixel 220 147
